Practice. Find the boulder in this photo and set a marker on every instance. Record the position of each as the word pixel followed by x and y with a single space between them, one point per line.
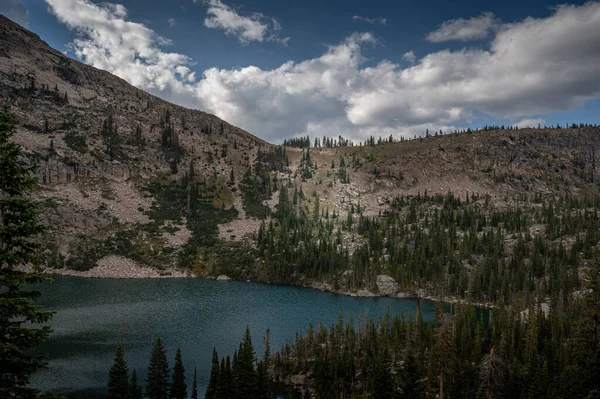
pixel 386 285
pixel 223 277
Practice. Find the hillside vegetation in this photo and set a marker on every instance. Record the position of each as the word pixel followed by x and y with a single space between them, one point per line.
pixel 127 177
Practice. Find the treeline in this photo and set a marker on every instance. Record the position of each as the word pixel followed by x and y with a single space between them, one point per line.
pixel 441 245
pixel 160 382
pixel 242 375
pixel 239 376
pixel 536 348
pixel 258 183
pixel 327 142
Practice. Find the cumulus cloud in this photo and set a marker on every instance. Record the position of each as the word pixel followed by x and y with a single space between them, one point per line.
pixel 107 40
pixel 465 29
pixel 531 67
pixel 530 123
pixel 16 11
pixel 172 22
pixel 253 28
pixel 380 21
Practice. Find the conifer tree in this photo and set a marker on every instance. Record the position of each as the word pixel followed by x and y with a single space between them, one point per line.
pixel 157 381
pixel 214 377
pixel 383 385
pixel 135 390
pixel 246 377
pixel 118 377
pixel 444 351
pixel 18 225
pixel 225 381
pixel 194 386
pixel 265 363
pixel 178 385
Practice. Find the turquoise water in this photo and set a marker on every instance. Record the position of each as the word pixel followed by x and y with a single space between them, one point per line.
pixel 94 315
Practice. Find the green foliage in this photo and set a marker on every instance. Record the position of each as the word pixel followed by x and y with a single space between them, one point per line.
pixel 170 142
pixel 18 228
pixel 76 142
pixel 253 195
pixel 456 355
pixel 194 386
pixel 245 374
pixel 211 389
pixel 43 93
pixel 135 390
pixel 138 139
pixel 298 142
pixel 111 139
pixel 178 388
pixel 225 383
pixel 237 379
pixel 258 186
pixel 467 248
pixel 300 244
pixel 306 167
pixel 157 381
pixel 118 377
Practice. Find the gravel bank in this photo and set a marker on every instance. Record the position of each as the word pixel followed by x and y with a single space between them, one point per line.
pixel 114 266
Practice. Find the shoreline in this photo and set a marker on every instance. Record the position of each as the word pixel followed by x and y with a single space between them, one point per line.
pixel 136 271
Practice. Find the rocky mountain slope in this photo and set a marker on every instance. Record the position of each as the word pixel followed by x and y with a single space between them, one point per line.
pixel 93 175
pixel 127 177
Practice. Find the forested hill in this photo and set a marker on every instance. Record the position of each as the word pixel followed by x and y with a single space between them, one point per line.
pixel 134 186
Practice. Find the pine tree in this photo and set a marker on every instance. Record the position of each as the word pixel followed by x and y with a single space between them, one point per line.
pixel 444 351
pixel 383 385
pixel 178 385
pixel 118 377
pixel 264 386
pixel 194 386
pixel 18 225
pixel 135 390
pixel 214 377
pixel 247 378
pixel 225 381
pixel 157 382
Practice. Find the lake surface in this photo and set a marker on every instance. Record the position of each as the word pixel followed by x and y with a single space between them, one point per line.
pixel 94 315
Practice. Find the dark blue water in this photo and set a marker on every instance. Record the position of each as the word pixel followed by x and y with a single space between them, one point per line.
pixel 94 315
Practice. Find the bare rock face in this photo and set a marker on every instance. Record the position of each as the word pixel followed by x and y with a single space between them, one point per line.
pixel 386 285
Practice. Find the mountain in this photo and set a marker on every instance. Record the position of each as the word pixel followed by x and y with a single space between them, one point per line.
pixel 97 140
pixel 127 179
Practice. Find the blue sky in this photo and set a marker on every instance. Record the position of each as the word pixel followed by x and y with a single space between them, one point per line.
pixel 356 68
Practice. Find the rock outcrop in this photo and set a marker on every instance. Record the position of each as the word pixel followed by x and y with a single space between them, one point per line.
pixel 387 286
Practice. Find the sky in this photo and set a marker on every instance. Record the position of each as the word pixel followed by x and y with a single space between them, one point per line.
pixel 354 68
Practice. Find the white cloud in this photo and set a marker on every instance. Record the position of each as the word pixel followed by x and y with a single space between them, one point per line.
pixel 532 67
pixel 409 56
pixel 172 22
pixel 530 123
pixel 380 21
pixel 16 11
pixel 465 29
pixel 107 40
pixel 253 28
